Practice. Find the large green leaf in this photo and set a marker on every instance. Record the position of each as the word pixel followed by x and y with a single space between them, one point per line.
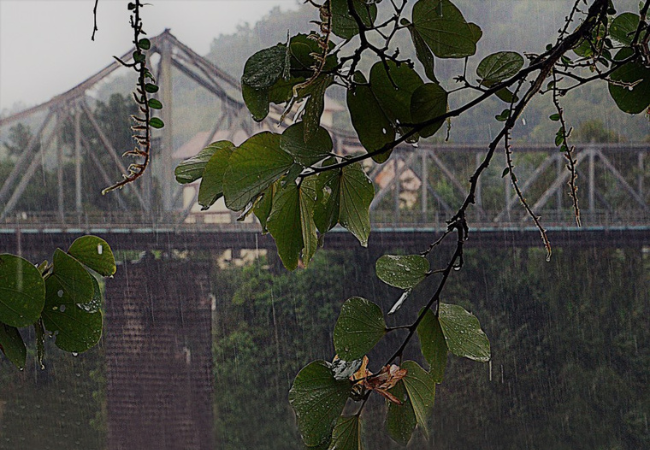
pixel 318 400
pixel 343 23
pixel 257 101
pixel 623 27
pixel 499 66
pixel 356 193
pixel 402 271
pixel 370 121
pixel 346 434
pixel 192 169
pixel 12 345
pixel 211 188
pixel 433 345
pixel 421 390
pixel 309 234
pixel 359 327
pixel 94 253
pixel 252 168
pixel 444 29
pixel 306 151
pixel 400 419
pixel 463 333
pixel 315 104
pixel 22 291
pixel 302 50
pixel 75 281
pixel 75 329
pixel 631 99
pixel 393 87
pixel 423 53
pixel 429 101
pixel 265 67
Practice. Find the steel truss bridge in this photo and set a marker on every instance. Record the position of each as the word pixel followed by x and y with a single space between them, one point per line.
pixel 415 192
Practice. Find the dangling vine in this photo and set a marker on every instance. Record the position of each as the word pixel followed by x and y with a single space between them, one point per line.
pixel 146 85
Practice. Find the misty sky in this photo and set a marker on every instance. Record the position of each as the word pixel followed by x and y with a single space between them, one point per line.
pixel 45 45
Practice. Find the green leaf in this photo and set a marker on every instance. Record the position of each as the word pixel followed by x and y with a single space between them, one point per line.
pixel 358 329
pixel 291 223
pixel 151 88
pixel 356 193
pixel 328 200
pixel 433 345
pixel 263 206
pixel 155 104
pixel 95 304
pixel 421 390
pixel 346 434
pixel 635 99
pixel 343 23
pixel 624 27
pixel 463 333
pixel 444 29
pixel 265 67
pixel 192 169
pixel 257 101
pixel 252 168
pixel 75 281
pixel 211 188
pixel 506 95
pixel 400 419
pixel 144 44
pixel 499 66
pixel 554 117
pixel 393 89
pixel 22 291
pixel 427 102
pixel 94 253
pixel 403 272
pixel 315 105
pixel 155 122
pixel 371 123
pixel 12 345
pixel 75 329
pixel 302 48
pixel 318 400
pixel 423 53
pixel 306 151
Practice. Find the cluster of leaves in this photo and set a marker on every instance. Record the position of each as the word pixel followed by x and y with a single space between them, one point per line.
pixel 146 85
pixel 299 189
pixel 62 297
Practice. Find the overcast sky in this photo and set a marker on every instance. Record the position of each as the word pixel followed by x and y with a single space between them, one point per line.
pixel 45 45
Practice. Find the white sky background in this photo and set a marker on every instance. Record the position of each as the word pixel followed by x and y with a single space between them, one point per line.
pixel 45 45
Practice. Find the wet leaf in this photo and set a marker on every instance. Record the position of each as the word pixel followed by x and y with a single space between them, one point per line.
pixel 444 29
pixel 257 101
pixel 211 188
pixel 623 27
pixel 263 207
pixel 421 390
pixel 427 102
pixel 192 169
pixel 318 400
pixel 371 123
pixel 75 281
pixel 22 291
pixel 94 253
pixel 95 304
pixel 433 345
pixel 400 419
pixel 403 271
pixel 285 226
pixel 463 333
pixel 12 345
pixel 630 99
pixel 75 329
pixel 265 67
pixel 358 329
pixel 343 23
pixel 499 66
pixel 253 167
pixel 306 151
pixel 346 434
pixel 356 194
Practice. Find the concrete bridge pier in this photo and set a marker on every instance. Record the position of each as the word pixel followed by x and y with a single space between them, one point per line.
pixel 158 335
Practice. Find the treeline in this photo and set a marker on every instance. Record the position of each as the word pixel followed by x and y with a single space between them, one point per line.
pixel 570 363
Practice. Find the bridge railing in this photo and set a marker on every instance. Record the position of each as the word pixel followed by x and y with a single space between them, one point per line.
pixel 226 220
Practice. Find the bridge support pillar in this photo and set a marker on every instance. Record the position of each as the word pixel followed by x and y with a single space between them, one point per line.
pixel 158 342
